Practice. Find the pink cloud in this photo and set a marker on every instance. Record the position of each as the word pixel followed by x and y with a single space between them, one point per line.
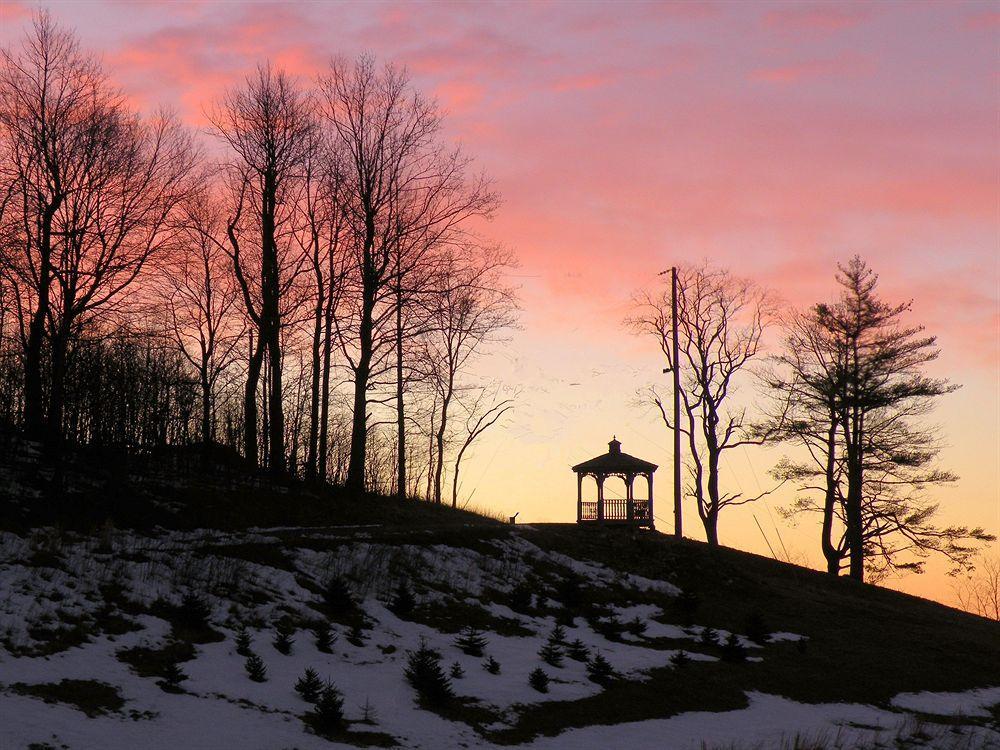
pixel 820 18
pixel 807 70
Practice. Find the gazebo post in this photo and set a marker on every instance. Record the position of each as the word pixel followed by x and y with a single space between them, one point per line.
pixel 600 497
pixel 649 504
pixel 579 497
pixel 629 498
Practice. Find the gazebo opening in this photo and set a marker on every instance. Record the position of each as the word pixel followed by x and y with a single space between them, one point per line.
pixel 616 510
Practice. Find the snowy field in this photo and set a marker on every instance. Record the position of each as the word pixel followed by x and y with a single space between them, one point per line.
pixel 50 586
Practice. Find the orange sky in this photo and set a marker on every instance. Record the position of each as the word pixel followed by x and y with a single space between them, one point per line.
pixel 773 138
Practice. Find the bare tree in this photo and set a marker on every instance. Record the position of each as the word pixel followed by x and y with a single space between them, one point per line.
pixel 405 196
pixel 721 320
pixel 484 407
pixel 979 591
pixel 268 124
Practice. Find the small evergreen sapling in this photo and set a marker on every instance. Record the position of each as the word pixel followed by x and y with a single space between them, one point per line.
pixel 356 635
pixel 256 669
pixel 492 666
pixel 309 686
pixel 327 717
pixel 338 596
pixel 709 637
pixel 680 660
pixel 756 629
pixel 611 628
pixel 733 650
pixel 551 654
pixel 578 651
pixel 520 598
pixel 403 602
pixel 368 713
pixel 471 641
pixel 539 680
pixel 423 671
pixel 599 670
pixel 687 603
pixel 283 639
pixel 558 636
pixel 173 676
pixel 325 638
pixel 636 626
pixel 456 672
pixel 243 641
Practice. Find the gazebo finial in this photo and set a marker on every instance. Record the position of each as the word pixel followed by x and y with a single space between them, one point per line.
pixel 615 445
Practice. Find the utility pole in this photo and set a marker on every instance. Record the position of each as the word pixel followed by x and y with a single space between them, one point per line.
pixel 678 525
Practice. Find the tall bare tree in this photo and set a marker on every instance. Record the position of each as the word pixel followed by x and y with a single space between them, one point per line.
pixel 721 321
pixel 268 125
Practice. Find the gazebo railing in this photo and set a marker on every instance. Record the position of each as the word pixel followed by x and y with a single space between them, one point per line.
pixel 615 509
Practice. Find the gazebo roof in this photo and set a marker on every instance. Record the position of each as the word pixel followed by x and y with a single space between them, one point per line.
pixel 614 461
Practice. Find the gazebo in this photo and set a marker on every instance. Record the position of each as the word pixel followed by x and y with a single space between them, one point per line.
pixel 627 510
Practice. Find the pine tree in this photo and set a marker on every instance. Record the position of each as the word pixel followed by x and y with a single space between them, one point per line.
pixel 309 686
pixel 283 639
pixel 471 641
pixel 687 603
pixel 368 713
pixel 611 628
pixel 256 668
pixel 733 650
pixel 599 670
pixel 457 673
pixel 356 635
pixel 403 601
pixel 756 629
pixel 709 637
pixel 520 598
pixel 492 666
pixel 578 651
pixel 680 660
pixel 558 636
pixel 338 596
pixel 636 626
pixel 424 673
pixel 243 641
pixel 328 715
pixel 173 676
pixel 325 638
pixel 551 654
pixel 539 680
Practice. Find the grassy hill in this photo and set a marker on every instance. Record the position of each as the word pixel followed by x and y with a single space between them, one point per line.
pixel 159 563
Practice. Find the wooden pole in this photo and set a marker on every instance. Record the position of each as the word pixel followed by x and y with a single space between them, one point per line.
pixel 678 524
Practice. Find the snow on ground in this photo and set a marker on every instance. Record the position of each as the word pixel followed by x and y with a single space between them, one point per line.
pixel 971 703
pixel 222 709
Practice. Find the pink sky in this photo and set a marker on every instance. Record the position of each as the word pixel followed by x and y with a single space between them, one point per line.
pixel 775 138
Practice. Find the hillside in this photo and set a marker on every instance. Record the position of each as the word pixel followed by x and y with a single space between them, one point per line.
pixel 125 635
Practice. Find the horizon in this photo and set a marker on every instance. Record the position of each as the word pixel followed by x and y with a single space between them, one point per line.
pixel 775 139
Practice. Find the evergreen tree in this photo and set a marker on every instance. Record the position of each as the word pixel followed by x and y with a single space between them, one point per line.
pixel 309 686
pixel 520 598
pixel 325 638
pixel 551 654
pixel 256 668
pixel 356 635
pixel 173 676
pixel 733 650
pixel 578 651
pixel 368 713
pixel 636 626
pixel 492 666
pixel 403 601
pixel 327 717
pixel 539 680
pixel 680 660
pixel 599 670
pixel 756 629
pixel 243 641
pixel 558 636
pixel 338 596
pixel 283 639
pixel 709 637
pixel 457 673
pixel 423 672
pixel 471 641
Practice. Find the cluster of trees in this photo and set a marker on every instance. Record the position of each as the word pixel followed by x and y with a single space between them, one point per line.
pixel 847 385
pixel 314 296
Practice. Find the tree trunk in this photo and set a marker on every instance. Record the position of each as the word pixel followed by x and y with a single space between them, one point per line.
pixel 830 551
pixel 400 415
pixel 250 440
pixel 57 386
pixel 34 410
pixel 359 423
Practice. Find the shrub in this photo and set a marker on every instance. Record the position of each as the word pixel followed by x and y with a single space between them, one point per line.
pixel 680 660
pixel 539 680
pixel 338 596
pixel 243 642
pixel 599 670
pixel 402 602
pixel 492 666
pixel 256 669
pixel 551 654
pixel 456 672
pixel 709 637
pixel 578 651
pixel 309 686
pixel 325 638
pixel 611 628
pixel 471 641
pixel 193 612
pixel 756 629
pixel 283 639
pixel 636 626
pixel 733 650
pixel 520 598
pixel 356 635
pixel 327 717
pixel 423 672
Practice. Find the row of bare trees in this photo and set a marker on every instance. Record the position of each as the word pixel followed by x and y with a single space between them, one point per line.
pixel 845 385
pixel 317 282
